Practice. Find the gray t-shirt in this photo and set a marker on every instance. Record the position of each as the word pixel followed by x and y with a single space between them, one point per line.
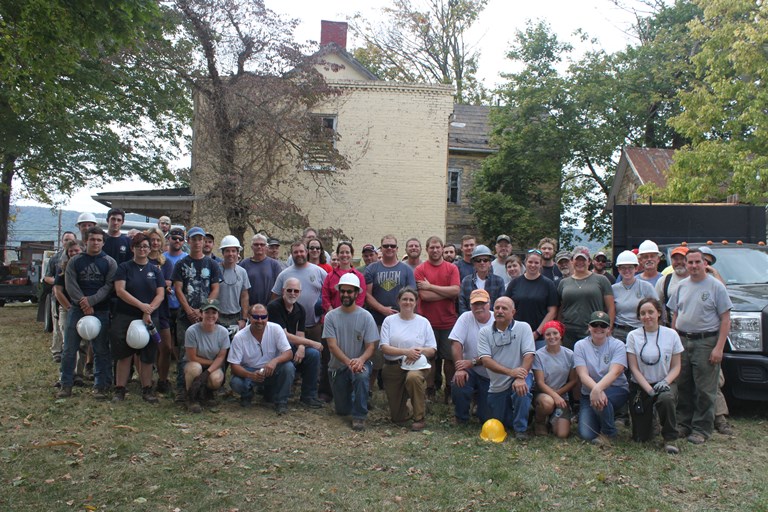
pixel 386 282
pixel 556 367
pixel 465 331
pixel 500 269
pixel 699 304
pixel 311 278
pixel 351 332
pixel 233 282
pixel 627 298
pixel 598 360
pixel 506 348
pixel 208 344
pixel 654 351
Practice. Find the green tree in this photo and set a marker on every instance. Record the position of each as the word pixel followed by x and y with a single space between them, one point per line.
pixel 424 42
pixel 724 113
pixel 79 105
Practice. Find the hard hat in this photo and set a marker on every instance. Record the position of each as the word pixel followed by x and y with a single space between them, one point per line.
pixel 648 247
pixel 626 258
pixel 706 250
pixel 88 327
pixel 86 217
pixel 349 279
pixel 138 335
pixel 230 241
pixel 493 431
pixel 481 250
pixel 420 364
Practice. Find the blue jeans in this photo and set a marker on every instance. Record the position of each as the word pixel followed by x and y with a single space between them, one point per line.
pixel 350 391
pixel 592 422
pixel 475 387
pixel 277 388
pixel 102 367
pixel 309 369
pixel 510 408
pixel 182 324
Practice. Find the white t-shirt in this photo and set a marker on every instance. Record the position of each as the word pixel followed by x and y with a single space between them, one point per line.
pixel 465 331
pixel 246 350
pixel 399 333
pixel 644 346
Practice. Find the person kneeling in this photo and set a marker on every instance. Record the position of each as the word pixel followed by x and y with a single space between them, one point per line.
pixel 260 357
pixel 555 379
pixel 206 344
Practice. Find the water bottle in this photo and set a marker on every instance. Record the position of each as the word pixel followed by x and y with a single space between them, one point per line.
pixel 153 334
pixel 558 412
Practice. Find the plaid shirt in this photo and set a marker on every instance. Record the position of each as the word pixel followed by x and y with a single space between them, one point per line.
pixel 494 285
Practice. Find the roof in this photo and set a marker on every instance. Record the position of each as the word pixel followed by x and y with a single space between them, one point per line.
pixel 152 203
pixel 469 129
pixel 646 165
pixel 347 57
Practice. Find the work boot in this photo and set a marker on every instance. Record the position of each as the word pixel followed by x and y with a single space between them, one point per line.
pixel 66 392
pixel 119 394
pixel 149 395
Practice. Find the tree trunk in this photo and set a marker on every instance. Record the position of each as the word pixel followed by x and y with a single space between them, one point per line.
pixel 9 169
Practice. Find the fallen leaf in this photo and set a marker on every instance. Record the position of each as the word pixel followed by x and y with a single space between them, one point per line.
pixel 138 500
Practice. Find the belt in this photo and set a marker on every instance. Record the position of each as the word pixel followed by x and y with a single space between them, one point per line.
pixel 697 335
pixel 387 361
pixel 623 327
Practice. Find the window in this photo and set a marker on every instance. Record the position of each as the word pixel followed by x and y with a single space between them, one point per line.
pixel 321 143
pixel 454 186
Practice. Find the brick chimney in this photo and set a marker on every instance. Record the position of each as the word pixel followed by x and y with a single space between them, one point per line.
pixel 333 32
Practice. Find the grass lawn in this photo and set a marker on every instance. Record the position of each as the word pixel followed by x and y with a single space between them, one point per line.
pixel 80 454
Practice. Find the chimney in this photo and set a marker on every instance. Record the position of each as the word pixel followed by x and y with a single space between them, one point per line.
pixel 333 32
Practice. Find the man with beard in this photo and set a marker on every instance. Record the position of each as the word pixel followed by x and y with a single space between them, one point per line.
pixel 503 250
pixel 449 253
pixel 351 335
pixel 507 350
pixel 260 357
pixel 289 314
pixel 208 247
pixel 548 246
pixel 600 263
pixel 413 253
pixel 564 265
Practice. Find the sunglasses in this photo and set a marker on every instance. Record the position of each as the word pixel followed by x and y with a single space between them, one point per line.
pixel 177 238
pixel 599 325
pixel 347 292
pixel 482 260
pixel 292 290
pixel 259 317
pixel 534 251
pixel 314 248
pixel 389 246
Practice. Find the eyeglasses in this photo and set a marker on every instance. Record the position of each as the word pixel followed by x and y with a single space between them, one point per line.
pixel 389 246
pixel 599 325
pixel 482 260
pixel 259 317
pixel 347 292
pixel 177 238
pixel 262 244
pixel 292 290
pixel 534 251
pixel 144 247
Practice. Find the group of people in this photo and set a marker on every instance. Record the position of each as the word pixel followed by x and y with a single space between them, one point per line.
pixel 498 335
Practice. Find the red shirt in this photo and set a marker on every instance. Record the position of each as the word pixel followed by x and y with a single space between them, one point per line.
pixel 442 313
pixel 331 297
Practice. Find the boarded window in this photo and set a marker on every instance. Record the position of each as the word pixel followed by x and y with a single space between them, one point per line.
pixel 321 144
pixel 454 186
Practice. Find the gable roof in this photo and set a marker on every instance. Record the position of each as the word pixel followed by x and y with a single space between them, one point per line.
pixel 347 59
pixel 645 165
pixel 469 129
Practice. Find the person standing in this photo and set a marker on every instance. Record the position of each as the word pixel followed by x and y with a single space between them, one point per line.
pixel 351 336
pixel 535 296
pixel 701 315
pixel 449 253
pixel 89 281
pixel 503 250
pixel 116 244
pixel 548 247
pixel 465 265
pixel 262 271
pixel 234 286
pixel 52 270
pixel 438 284
pixel 627 294
pixel 413 253
pixel 482 278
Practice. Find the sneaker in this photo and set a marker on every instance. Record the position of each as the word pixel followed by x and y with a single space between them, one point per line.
pixel 57 358
pixel 119 394
pixel 194 407
pixel 148 395
pixel 521 436
pixel 312 403
pixel 418 426
pixel 697 438
pixel 281 409
pixel 66 392
pixel 163 386
pixel 78 382
pixel 99 394
pixel 722 425
pixel 601 441
pixel 358 425
pixel 57 385
pixel 671 449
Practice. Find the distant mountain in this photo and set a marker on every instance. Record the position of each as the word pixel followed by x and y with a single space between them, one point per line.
pixel 38 224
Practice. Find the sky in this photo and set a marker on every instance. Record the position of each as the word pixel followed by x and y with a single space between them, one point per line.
pixel 491 34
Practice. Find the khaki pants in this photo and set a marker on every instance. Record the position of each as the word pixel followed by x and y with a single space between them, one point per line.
pixel 399 385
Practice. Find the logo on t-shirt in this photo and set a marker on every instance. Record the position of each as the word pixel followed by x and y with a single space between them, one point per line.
pixel 704 296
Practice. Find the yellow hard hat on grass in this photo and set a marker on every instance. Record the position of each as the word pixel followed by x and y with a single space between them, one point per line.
pixel 494 431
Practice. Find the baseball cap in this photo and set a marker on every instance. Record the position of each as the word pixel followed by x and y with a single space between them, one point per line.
pixel 273 241
pixel 502 238
pixel 208 235
pixel 176 232
pixel 210 304
pixel 600 317
pixel 195 231
pixel 479 296
pixel 681 250
pixel 580 251
pixel 369 247
pixel 563 255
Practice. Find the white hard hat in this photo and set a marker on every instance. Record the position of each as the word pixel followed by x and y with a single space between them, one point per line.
pixel 86 217
pixel 648 247
pixel 349 279
pixel 627 258
pixel 138 335
pixel 230 241
pixel 88 327
pixel 420 364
